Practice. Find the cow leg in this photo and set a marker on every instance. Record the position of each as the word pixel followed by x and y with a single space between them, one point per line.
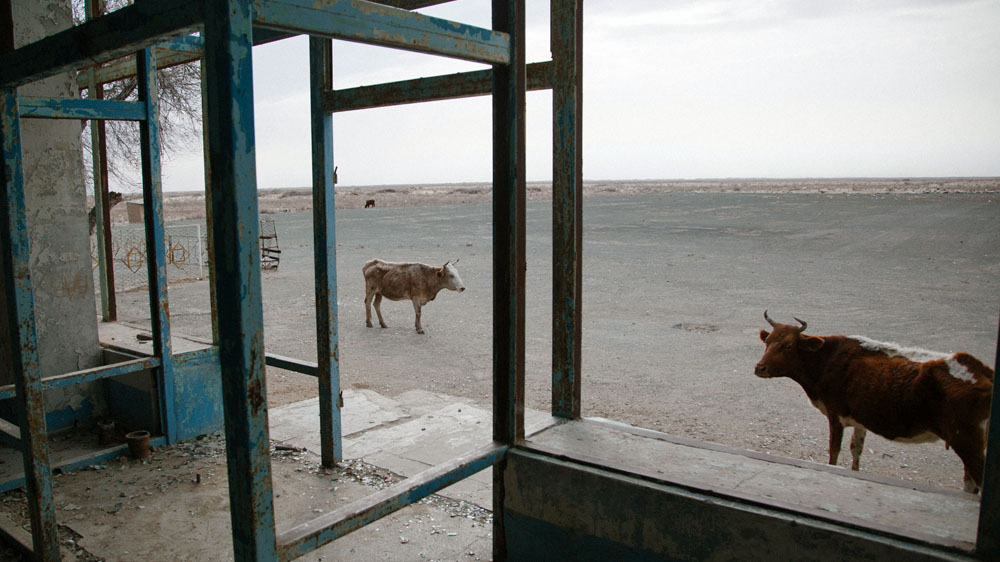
pixel 416 310
pixel 378 310
pixel 970 449
pixel 369 293
pixel 836 436
pixel 857 447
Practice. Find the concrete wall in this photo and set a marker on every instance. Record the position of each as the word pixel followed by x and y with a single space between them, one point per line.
pixel 65 306
pixel 556 510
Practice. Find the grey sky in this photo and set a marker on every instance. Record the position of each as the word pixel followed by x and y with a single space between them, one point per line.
pixel 676 89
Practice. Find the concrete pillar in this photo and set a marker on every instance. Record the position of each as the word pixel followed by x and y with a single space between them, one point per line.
pixel 55 191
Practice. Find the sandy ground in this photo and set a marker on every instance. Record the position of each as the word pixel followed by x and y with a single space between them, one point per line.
pixel 731 408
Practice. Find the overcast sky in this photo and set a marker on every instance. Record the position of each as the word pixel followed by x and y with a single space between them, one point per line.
pixel 674 90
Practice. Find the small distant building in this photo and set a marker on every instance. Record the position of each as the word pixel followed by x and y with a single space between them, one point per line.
pixel 134 212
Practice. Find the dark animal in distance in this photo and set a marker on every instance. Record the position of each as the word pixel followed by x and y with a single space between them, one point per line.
pixel 415 281
pixel 114 198
pixel 903 394
pixel 370 203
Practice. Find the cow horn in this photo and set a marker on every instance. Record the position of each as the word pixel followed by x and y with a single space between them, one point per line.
pixel 456 261
pixel 768 318
pixel 801 322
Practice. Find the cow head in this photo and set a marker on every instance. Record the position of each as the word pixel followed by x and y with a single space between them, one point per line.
pixel 449 275
pixel 787 349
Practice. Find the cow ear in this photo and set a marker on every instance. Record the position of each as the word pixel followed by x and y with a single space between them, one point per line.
pixel 440 272
pixel 764 334
pixel 811 343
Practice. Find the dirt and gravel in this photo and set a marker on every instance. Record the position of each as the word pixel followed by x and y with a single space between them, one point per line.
pixel 676 278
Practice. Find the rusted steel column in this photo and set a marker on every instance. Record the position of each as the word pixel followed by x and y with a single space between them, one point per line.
pixel 20 317
pixel 508 228
pixel 156 253
pixel 99 153
pixel 236 231
pixel 988 538
pixel 508 250
pixel 209 238
pixel 325 247
pixel 567 204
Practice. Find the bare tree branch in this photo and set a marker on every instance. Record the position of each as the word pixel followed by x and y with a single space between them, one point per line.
pixel 180 114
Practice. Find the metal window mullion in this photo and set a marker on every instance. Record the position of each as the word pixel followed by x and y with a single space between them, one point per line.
pixel 988 539
pixel 567 205
pixel 325 248
pixel 30 401
pixel 99 157
pixel 236 235
pixel 508 229
pixel 156 252
pixel 509 263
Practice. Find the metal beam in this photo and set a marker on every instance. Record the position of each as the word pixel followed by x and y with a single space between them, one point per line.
pixel 330 526
pixel 120 33
pixel 23 341
pixel 156 253
pixel 451 86
pixel 509 229
pixel 171 53
pixel 368 22
pixel 325 252
pixel 567 205
pixel 508 250
pixel 291 364
pixel 236 232
pixel 411 4
pixel 89 375
pixel 50 108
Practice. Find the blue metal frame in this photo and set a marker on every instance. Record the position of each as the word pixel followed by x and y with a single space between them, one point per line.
pixel 82 109
pixel 376 24
pixel 235 232
pixel 156 254
pixel 228 36
pixel 21 326
pixel 325 251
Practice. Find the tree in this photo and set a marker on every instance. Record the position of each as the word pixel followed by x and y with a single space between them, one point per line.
pixel 180 111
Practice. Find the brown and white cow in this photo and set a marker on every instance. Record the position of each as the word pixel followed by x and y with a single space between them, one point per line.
pixel 903 394
pixel 415 281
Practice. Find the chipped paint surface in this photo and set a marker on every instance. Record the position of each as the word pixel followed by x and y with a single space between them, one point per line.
pixel 369 22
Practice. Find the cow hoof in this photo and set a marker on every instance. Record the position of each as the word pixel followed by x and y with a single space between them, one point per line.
pixel 383 325
pixel 369 324
pixel 420 331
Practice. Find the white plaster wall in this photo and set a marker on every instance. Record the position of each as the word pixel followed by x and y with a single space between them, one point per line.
pixel 61 267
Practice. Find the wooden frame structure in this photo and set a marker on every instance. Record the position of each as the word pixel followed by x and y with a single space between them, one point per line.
pixel 159 31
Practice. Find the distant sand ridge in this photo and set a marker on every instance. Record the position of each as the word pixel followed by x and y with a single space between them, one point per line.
pixel 191 205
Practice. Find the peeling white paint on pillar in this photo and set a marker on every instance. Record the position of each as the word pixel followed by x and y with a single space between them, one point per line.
pixel 55 193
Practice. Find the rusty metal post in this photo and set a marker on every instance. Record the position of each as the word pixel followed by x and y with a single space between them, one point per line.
pixel 509 262
pixel 567 205
pixel 20 318
pixel 236 231
pixel 156 252
pixel 988 536
pixel 325 248
pixel 99 152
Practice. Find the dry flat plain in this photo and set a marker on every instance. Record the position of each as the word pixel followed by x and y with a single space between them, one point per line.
pixel 676 278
